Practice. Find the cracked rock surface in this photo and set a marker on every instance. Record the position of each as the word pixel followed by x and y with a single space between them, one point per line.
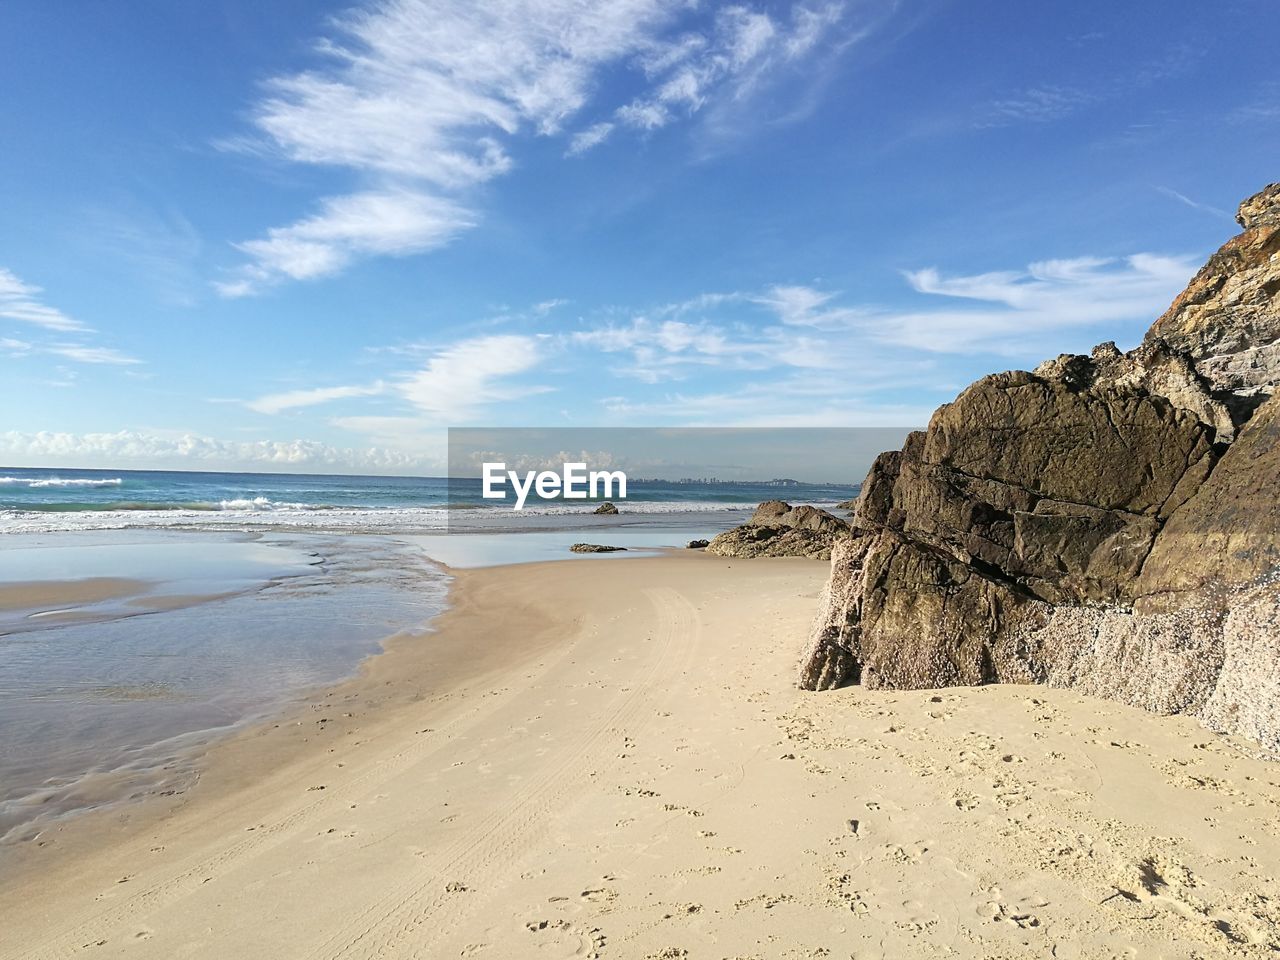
pixel 1107 522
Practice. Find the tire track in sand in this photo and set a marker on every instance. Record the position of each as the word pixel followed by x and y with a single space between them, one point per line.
pixel 407 921
pixel 104 924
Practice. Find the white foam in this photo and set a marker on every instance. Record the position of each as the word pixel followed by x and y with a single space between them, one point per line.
pixel 268 506
pixel 40 483
pixel 409 519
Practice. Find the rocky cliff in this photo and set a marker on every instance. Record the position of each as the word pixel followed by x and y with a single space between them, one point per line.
pixel 1107 522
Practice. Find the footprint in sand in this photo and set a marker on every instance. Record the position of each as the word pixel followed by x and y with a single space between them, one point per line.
pixel 562 940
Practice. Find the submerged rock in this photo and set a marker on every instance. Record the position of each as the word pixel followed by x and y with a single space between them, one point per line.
pixel 777 529
pixel 1107 522
pixel 608 508
pixel 594 548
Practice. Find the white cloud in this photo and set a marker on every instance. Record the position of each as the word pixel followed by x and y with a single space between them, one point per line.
pixel 547 306
pixel 1046 296
pixel 394 222
pixel 454 385
pixel 1194 204
pixel 787 354
pixel 806 307
pixel 20 301
pixel 1035 105
pixel 667 349
pixel 422 99
pixel 293 399
pixel 593 136
pixel 800 401
pixel 83 354
pixel 467 376
pixel 781 327
pixel 16 348
pixel 802 341
pixel 742 50
pixel 128 448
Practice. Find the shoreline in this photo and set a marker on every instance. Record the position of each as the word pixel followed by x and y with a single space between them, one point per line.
pixel 108 700
pixel 580 760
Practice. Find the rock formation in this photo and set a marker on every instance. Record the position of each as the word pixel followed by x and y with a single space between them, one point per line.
pixel 606 508
pixel 778 529
pixel 1107 522
pixel 594 548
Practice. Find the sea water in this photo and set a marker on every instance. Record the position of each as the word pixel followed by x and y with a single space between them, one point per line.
pixel 244 592
pixel 42 500
pixel 115 699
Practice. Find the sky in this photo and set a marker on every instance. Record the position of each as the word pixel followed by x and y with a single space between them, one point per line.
pixel 311 236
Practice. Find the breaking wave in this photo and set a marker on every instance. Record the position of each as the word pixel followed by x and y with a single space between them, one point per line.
pixel 44 483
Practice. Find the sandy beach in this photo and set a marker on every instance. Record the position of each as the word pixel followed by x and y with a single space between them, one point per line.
pixel 610 759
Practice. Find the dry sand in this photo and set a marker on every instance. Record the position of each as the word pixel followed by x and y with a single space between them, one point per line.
pixel 609 759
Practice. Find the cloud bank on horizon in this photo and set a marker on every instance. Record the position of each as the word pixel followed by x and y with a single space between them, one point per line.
pixel 381 219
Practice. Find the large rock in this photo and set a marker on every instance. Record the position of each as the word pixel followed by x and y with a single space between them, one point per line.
pixel 1107 522
pixel 1228 532
pixel 1226 320
pixel 777 529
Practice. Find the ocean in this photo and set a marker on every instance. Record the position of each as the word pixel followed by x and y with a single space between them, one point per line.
pixel 145 614
pixel 43 500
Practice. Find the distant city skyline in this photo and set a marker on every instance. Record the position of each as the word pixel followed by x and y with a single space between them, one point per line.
pixel 819 455
pixel 312 236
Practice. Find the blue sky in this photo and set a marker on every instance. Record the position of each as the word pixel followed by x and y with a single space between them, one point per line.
pixel 310 236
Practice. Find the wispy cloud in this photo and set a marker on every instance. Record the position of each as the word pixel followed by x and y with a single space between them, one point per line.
pixel 792 401
pixel 741 51
pixel 1011 313
pixel 393 222
pixel 454 385
pixel 15 348
pixel 20 301
pixel 1047 103
pixel 294 399
pixel 1034 105
pixel 1021 306
pixel 1194 204
pixel 786 354
pixel 461 380
pixel 424 99
pixel 592 136
pixel 83 354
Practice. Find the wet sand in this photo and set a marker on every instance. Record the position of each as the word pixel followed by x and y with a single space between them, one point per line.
pixel 111 686
pixel 41 595
pixel 611 760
